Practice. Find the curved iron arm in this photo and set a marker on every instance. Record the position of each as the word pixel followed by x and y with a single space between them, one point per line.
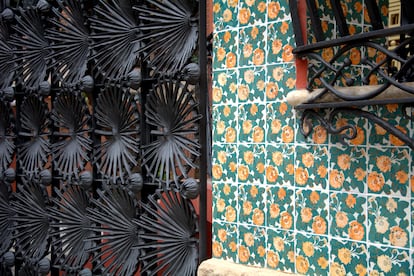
pixel 306 125
pixel 325 67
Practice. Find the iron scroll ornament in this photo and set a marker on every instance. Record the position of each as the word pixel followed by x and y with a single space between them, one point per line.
pixel 73 144
pixel 329 72
pixel 170 231
pixel 118 125
pixel 349 131
pixel 172 113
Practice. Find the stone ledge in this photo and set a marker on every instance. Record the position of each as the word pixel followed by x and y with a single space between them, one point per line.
pixel 217 267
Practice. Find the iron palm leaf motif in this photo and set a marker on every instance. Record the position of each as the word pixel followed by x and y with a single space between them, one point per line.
pixel 70 227
pixel 169 229
pixel 41 267
pixel 31 49
pixel 6 136
pixel 6 219
pixel 69 42
pixel 71 150
pixel 172 114
pixel 170 32
pixel 6 57
pixel 117 120
pixel 34 150
pixel 31 229
pixel 115 224
pixel 114 34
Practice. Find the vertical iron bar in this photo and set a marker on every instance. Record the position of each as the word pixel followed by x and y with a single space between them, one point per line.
pixel 315 20
pixel 19 97
pixel 374 14
pixel 407 15
pixel 294 13
pixel 55 174
pixel 203 98
pixel 145 132
pixel 340 18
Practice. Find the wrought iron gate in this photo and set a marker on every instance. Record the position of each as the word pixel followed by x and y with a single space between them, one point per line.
pixel 102 141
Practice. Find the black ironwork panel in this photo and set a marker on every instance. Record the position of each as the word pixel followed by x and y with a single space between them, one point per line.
pixel 7 136
pixel 70 43
pixel 31 223
pixel 115 224
pixel 117 123
pixel 71 227
pixel 99 137
pixel 114 35
pixel 34 146
pixel 72 145
pixel 6 217
pixel 169 32
pixel 6 58
pixel 172 112
pixel 31 49
pixel 170 234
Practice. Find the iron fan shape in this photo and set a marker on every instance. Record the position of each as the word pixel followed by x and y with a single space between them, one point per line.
pixel 71 119
pixel 69 42
pixel 114 34
pixel 6 57
pixel 70 227
pixel 31 229
pixel 117 123
pixel 6 219
pixel 115 225
pixel 169 31
pixel 6 136
pixel 170 232
pixel 31 49
pixel 34 150
pixel 172 114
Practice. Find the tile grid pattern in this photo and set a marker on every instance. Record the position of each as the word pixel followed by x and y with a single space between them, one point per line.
pixel 281 201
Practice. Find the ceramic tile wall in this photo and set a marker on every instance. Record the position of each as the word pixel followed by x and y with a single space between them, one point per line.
pixel 310 206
